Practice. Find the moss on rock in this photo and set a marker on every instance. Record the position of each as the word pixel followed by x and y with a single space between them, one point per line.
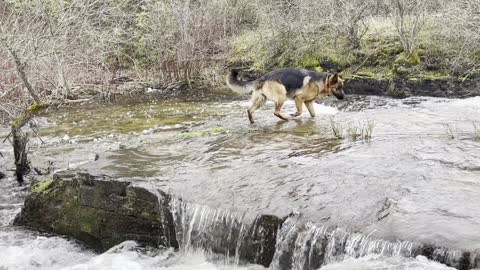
pixel 41 186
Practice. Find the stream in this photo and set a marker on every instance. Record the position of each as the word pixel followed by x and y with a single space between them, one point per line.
pixel 417 178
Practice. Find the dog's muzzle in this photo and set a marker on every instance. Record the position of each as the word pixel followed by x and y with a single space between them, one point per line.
pixel 339 94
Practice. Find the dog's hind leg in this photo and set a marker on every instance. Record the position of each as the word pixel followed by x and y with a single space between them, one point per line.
pixel 299 105
pixel 309 105
pixel 275 91
pixel 257 101
pixel 278 108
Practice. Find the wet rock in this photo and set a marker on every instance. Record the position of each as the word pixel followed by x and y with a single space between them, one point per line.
pixel 462 260
pixel 222 232
pixel 259 245
pixel 98 211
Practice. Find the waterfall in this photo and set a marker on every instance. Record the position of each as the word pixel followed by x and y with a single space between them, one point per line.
pixel 305 246
pixel 215 231
pixel 288 243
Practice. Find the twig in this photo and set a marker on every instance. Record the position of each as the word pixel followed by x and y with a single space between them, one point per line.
pixel 364 61
pixel 69 101
pixel 6 138
pixel 38 136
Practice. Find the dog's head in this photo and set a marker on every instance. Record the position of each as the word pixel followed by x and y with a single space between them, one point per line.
pixel 335 85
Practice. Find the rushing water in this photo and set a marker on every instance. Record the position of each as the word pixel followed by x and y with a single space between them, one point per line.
pixel 416 179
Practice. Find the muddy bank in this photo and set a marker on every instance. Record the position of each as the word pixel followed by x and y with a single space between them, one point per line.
pixel 402 88
pixel 102 213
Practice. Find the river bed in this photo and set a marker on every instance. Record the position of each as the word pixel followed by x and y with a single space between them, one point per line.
pixel 417 178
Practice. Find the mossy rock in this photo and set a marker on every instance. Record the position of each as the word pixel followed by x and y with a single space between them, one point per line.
pixel 99 211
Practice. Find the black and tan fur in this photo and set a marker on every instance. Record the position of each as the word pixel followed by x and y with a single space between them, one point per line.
pixel 301 85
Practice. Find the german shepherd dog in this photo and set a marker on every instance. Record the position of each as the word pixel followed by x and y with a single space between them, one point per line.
pixel 301 85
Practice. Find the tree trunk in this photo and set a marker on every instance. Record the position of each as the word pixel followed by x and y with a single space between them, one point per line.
pixel 22 165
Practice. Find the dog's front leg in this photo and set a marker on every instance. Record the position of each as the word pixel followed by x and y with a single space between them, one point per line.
pixel 299 105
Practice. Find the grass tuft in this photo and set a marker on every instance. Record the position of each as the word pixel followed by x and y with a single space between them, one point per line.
pixel 336 128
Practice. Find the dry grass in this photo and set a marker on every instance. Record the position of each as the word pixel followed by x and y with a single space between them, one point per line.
pixel 476 132
pixel 336 129
pixel 363 131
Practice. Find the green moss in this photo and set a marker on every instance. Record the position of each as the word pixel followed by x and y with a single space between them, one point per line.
pixel 122 119
pixel 365 74
pixel 405 66
pixel 197 134
pixel 88 220
pixel 433 76
pixel 16 122
pixel 41 186
pixel 35 108
pixel 413 59
pixel 378 51
pixel 32 110
pixel 309 61
pixel 86 227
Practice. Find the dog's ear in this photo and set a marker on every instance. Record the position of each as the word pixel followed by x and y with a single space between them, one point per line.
pixel 334 78
pixel 340 73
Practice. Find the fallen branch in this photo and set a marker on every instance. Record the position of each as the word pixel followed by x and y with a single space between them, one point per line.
pixel 71 101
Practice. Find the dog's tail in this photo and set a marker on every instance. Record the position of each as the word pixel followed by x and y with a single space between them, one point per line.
pixel 238 86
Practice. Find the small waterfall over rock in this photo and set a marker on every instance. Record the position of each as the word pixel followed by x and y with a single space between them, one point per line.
pixel 288 243
pixel 236 238
pixel 304 246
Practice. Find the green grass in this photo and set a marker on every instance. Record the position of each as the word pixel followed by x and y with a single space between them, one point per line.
pixel 363 131
pixel 336 129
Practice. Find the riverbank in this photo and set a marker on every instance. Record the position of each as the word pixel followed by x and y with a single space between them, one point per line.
pixel 359 84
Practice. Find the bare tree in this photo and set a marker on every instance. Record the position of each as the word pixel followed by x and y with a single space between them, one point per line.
pixel 459 22
pixel 350 18
pixel 408 18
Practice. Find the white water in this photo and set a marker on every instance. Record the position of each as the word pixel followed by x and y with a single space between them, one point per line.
pixel 23 249
pixel 383 263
